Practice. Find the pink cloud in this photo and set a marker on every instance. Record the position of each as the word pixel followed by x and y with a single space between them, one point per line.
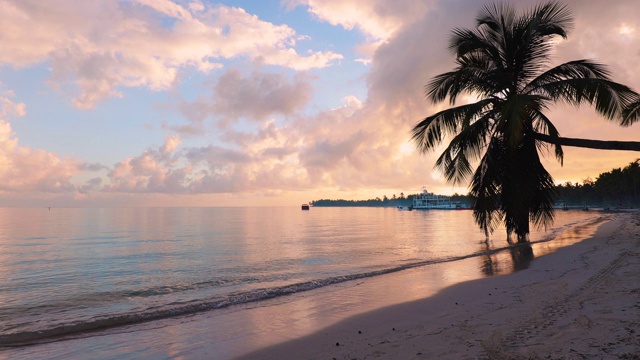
pixel 41 174
pixel 356 148
pixel 154 171
pixel 98 46
pixel 24 169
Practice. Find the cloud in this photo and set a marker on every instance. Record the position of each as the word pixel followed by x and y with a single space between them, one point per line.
pixel 215 157
pixel 259 95
pixel 356 148
pixel 153 171
pixel 327 154
pixel 9 108
pixel 378 20
pixel 97 47
pixel 193 170
pixel 92 167
pixel 607 32
pixel 24 169
pixel 171 143
pixel 90 186
pixel 254 97
pixel 367 148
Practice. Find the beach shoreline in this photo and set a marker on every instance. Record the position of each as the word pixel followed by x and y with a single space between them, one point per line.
pixel 581 301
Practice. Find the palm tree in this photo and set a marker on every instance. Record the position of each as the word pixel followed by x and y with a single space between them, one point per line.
pixel 503 63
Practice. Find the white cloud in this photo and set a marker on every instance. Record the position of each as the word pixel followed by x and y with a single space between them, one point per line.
pixel 378 20
pixel 100 46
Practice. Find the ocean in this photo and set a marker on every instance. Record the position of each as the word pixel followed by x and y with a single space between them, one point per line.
pixel 72 277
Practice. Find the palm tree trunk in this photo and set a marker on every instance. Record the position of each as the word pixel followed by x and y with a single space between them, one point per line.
pixel 591 144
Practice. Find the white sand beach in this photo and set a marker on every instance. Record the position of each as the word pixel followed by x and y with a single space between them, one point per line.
pixel 582 301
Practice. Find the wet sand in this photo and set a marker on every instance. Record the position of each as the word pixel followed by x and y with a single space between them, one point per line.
pixel 582 301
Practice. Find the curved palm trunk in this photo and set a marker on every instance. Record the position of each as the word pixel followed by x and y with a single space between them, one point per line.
pixel 590 144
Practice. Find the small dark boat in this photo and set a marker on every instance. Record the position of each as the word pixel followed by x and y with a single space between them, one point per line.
pixel 405 208
pixel 305 206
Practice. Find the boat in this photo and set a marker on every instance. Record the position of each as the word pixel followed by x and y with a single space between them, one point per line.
pixel 405 208
pixel 429 201
pixel 305 206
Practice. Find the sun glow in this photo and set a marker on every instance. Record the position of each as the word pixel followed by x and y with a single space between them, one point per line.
pixel 625 29
pixel 627 32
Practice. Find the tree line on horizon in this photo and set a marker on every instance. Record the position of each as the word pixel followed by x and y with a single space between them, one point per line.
pixel 382 202
pixel 619 188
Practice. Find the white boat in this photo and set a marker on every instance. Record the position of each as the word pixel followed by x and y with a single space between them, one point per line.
pixel 429 201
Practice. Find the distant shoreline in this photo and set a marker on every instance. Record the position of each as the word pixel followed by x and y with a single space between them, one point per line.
pixel 384 202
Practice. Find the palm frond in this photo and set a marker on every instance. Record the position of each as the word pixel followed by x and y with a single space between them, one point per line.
pixel 521 43
pixel 581 81
pixel 493 23
pixel 486 186
pixel 542 124
pixel 552 18
pixel 495 16
pixel 610 99
pixel 453 84
pixel 467 146
pixel 577 69
pixel 466 42
pixel 429 133
pixel 631 113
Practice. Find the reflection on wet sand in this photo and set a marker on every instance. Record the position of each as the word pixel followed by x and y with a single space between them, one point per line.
pixel 495 261
pixel 521 255
pixel 504 260
pixel 490 264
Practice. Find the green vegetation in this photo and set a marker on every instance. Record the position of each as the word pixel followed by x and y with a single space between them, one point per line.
pixel 503 63
pixel 618 188
pixel 384 202
pixel 377 202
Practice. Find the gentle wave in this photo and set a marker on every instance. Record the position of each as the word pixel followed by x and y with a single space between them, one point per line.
pixel 71 330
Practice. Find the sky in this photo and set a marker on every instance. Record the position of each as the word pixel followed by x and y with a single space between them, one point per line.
pixel 108 103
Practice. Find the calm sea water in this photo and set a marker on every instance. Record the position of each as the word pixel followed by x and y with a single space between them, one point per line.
pixel 73 271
